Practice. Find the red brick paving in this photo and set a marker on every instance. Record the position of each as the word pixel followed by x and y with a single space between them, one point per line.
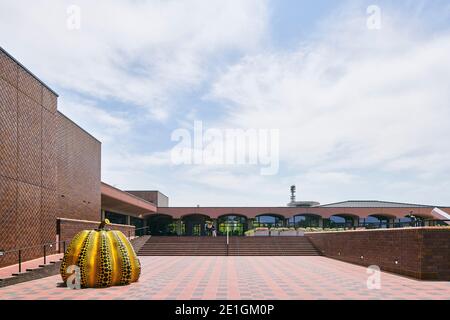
pixel 267 278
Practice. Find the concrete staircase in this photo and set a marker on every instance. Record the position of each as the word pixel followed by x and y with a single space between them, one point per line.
pixel 271 246
pixel 184 246
pixel 239 246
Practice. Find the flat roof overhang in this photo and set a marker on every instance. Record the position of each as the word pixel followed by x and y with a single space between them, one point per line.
pixel 119 201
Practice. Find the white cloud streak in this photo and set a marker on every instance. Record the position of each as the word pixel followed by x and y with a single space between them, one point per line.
pixel 352 100
pixel 138 52
pixel 362 114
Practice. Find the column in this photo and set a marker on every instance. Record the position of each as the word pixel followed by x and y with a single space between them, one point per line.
pixel 391 223
pixel 179 223
pixel 145 231
pixel 320 222
pixel 249 224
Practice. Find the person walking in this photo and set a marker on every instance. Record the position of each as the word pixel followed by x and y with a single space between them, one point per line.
pixel 214 232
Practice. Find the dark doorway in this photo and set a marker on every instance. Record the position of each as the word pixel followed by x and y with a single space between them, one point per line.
pixel 161 225
pixel 195 225
pixel 116 218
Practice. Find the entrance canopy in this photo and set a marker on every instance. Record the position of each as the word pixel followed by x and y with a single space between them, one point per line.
pixel 120 201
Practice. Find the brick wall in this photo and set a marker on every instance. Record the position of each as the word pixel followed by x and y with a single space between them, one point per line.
pixel 422 253
pixel 49 167
pixel 68 228
pixel 27 160
pixel 155 197
pixel 78 168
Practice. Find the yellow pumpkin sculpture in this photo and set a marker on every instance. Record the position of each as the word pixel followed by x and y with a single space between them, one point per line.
pixel 105 258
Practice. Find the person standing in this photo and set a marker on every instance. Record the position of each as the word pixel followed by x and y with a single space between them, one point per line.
pixel 214 232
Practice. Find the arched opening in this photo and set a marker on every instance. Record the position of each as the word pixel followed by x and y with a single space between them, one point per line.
pixel 414 220
pixel 194 225
pixel 269 221
pixel 345 221
pixel 305 221
pixel 161 225
pixel 377 221
pixel 236 225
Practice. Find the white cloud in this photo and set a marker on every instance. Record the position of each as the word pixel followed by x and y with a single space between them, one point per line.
pixel 140 52
pixel 362 114
pixel 103 125
pixel 349 99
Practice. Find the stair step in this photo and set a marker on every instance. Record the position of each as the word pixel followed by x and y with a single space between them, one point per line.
pixel 34 269
pixel 241 246
pixel 16 274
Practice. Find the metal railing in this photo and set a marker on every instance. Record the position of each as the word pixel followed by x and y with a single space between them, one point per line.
pixel 45 252
pixel 377 225
pixel 144 232
pixel 47 249
pixel 326 225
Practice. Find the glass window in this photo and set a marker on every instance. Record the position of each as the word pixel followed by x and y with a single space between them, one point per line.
pixel 235 225
pixel 116 218
pixel 338 222
pixel 337 219
pixel 376 222
pixel 268 221
pixel 161 225
pixel 304 221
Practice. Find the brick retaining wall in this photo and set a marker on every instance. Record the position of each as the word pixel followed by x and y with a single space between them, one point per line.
pixel 422 253
pixel 68 228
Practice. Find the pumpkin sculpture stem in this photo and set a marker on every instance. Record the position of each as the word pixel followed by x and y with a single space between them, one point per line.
pixel 103 224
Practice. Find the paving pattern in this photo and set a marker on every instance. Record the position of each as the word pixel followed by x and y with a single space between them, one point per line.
pixel 254 278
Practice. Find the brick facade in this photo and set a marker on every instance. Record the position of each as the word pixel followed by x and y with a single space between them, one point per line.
pixel 27 160
pixel 156 197
pixel 422 253
pixel 49 167
pixel 68 228
pixel 78 169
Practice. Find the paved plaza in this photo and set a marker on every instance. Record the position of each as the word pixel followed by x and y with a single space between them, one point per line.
pixel 254 278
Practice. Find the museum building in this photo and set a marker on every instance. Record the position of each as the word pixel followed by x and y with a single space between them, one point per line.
pixel 51 188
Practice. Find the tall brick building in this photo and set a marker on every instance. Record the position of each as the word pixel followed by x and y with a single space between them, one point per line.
pixel 28 157
pixel 50 168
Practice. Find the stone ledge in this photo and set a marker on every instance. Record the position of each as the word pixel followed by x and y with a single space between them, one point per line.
pixel 42 272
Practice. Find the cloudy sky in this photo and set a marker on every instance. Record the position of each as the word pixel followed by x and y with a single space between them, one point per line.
pixel 362 113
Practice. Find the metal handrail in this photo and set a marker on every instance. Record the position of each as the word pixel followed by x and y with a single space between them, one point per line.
pixel 379 225
pixel 44 246
pixel 141 228
pixel 36 246
pixel 129 232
